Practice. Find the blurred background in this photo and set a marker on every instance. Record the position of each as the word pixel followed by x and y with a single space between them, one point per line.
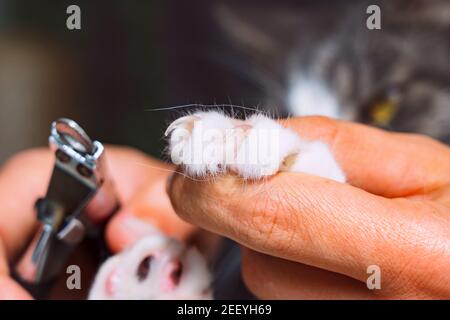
pixel 129 56
pixel 133 55
pixel 103 76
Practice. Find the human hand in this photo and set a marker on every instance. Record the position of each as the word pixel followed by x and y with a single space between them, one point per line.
pixel 140 182
pixel 306 237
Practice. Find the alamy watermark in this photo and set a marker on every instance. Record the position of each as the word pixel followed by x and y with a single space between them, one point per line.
pixel 226 147
pixel 374 280
pixel 73 281
pixel 373 21
pixel 73 21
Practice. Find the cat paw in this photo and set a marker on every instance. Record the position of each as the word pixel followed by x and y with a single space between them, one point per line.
pixel 208 143
pixel 200 142
pixel 155 267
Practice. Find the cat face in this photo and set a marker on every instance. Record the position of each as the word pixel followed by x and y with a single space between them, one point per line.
pixel 320 58
pixel 156 267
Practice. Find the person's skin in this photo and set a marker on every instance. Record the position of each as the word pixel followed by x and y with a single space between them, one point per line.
pixel 394 213
pixel 141 185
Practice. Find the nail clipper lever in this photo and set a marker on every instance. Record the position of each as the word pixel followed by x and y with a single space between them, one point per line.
pixel 79 201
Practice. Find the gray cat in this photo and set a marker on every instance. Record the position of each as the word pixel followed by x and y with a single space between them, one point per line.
pixel 319 57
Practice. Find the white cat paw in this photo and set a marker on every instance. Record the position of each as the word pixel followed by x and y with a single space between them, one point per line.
pixel 155 267
pixel 210 143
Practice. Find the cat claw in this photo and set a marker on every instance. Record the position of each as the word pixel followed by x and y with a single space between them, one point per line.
pixel 185 122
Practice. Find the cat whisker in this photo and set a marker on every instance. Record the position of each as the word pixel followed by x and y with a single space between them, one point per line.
pixel 169 170
pixel 232 106
pixel 209 178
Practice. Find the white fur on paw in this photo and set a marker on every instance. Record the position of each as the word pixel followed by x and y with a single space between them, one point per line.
pixel 155 267
pixel 210 143
pixel 199 142
pixel 265 147
pixel 316 158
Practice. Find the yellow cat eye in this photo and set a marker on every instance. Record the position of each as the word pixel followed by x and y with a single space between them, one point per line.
pixel 383 112
pixel 384 109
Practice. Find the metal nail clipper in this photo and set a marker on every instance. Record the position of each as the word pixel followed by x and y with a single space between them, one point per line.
pixel 79 201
